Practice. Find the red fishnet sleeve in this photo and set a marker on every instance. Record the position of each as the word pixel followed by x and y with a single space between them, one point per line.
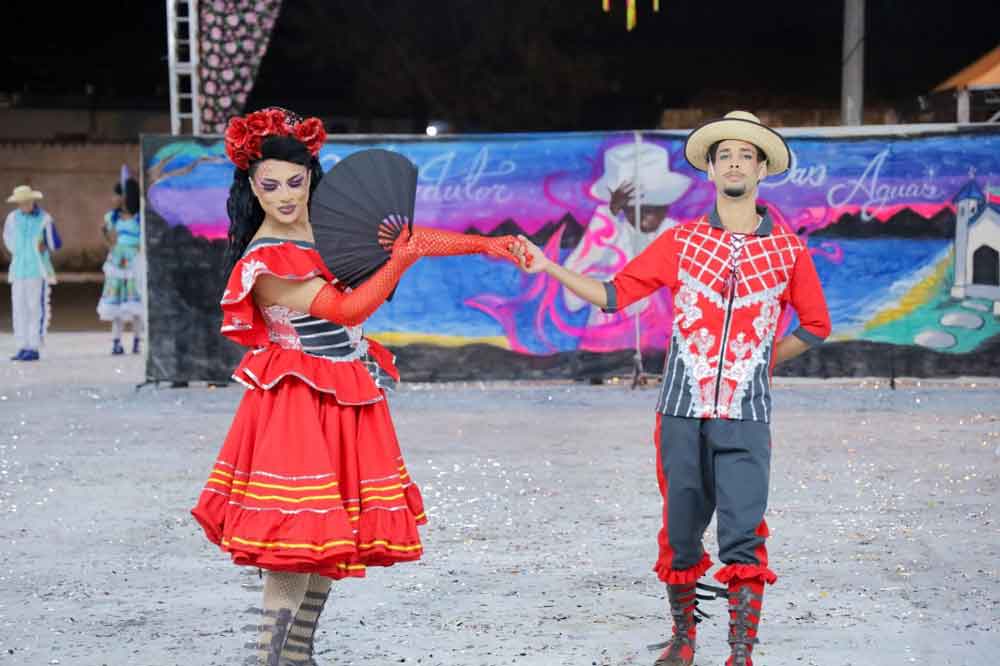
pixel 437 243
pixel 350 309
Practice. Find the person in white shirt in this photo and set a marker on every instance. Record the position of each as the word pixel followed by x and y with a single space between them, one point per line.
pixel 30 237
pixel 613 238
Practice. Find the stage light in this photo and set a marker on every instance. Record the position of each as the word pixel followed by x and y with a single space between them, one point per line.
pixel 438 127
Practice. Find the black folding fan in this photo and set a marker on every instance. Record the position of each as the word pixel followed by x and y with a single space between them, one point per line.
pixel 359 208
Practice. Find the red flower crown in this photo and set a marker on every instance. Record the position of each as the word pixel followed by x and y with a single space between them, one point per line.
pixel 244 135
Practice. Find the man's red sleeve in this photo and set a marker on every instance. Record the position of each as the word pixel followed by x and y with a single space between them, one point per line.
pixel 805 293
pixel 655 267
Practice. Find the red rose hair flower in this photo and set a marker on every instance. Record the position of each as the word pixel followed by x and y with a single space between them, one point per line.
pixel 244 135
pixel 310 132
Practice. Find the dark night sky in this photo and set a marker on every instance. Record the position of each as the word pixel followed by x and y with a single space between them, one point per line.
pixel 770 52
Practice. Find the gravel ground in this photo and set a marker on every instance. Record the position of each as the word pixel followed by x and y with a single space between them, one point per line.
pixel 544 510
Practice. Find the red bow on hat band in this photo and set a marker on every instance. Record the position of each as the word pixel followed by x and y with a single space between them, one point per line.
pixel 244 135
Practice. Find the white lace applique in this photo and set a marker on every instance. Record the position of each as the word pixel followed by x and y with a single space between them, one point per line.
pixel 739 346
pixel 725 400
pixel 763 321
pixel 703 341
pixel 741 367
pixel 686 303
pixel 248 274
pixel 279 326
pixel 354 333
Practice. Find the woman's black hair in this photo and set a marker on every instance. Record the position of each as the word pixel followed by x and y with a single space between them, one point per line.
pixel 117 212
pixel 130 200
pixel 245 213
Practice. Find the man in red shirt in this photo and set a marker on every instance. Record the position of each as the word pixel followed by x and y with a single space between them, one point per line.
pixel 732 273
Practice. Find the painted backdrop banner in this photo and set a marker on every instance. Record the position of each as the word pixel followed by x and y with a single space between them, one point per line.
pixel 904 228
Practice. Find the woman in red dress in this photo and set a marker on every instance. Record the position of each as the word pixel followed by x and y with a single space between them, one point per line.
pixel 309 485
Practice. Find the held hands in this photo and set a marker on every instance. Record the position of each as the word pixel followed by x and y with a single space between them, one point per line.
pixel 529 257
pixel 503 247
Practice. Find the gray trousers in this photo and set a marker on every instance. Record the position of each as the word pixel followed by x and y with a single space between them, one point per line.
pixel 708 466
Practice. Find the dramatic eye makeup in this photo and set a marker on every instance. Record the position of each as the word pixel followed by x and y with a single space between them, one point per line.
pixel 270 184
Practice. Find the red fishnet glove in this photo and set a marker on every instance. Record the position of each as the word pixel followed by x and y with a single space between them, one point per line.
pixel 353 308
pixel 427 242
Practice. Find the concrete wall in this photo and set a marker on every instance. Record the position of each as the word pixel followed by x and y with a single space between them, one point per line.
pixel 80 124
pixel 77 180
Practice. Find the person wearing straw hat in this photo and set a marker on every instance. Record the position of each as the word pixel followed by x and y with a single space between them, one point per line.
pixel 613 235
pixel 732 273
pixel 30 236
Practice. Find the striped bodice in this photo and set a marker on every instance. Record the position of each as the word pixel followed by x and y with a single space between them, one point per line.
pixel 323 338
pixel 318 337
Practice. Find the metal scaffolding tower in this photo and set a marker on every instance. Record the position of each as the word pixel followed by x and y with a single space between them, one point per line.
pixel 182 55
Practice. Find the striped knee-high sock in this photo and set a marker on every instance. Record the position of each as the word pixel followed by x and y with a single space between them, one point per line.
pixel 283 594
pixel 299 644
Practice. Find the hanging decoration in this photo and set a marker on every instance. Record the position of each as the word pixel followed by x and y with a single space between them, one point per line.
pixel 234 38
pixel 630 11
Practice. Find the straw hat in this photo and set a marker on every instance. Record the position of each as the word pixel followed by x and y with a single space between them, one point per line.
pixel 24 193
pixel 741 126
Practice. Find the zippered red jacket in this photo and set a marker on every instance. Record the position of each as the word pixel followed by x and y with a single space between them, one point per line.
pixel 729 293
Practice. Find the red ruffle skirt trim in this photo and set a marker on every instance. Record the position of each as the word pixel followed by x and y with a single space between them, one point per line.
pixel 312 480
pixel 348 381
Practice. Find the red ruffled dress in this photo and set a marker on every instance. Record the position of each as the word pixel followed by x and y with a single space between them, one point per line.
pixel 310 477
